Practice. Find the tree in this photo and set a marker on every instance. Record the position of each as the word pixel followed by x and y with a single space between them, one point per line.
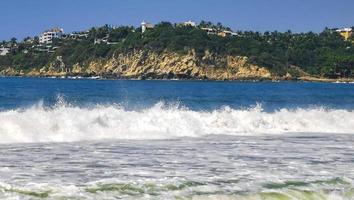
pixel 324 53
pixel 27 39
pixel 219 26
pixel 35 40
pixel 13 41
pixel 351 38
pixel 119 33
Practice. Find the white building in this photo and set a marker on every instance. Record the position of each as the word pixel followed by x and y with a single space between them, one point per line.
pixel 49 35
pixel 345 32
pixel 223 33
pixel 227 33
pixel 145 26
pixel 4 51
pixel 76 35
pixel 190 23
pixel 210 31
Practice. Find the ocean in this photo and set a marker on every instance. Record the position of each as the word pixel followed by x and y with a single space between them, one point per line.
pixel 129 139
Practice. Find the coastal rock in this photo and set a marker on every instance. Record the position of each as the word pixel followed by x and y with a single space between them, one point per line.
pixel 151 65
pixel 76 69
pixel 164 65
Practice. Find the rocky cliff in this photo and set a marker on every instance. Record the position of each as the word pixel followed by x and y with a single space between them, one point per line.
pixel 152 65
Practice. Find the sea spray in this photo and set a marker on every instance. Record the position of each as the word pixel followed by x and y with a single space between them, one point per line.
pixel 66 123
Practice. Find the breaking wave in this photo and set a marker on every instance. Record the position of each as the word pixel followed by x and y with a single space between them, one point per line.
pixel 66 123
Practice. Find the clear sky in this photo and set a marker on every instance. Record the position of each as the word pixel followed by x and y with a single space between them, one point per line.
pixel 20 18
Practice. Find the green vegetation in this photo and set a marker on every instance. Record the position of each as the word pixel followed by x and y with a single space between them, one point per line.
pixel 323 54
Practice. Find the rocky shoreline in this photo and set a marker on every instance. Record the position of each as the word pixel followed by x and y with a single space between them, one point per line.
pixel 277 79
pixel 147 65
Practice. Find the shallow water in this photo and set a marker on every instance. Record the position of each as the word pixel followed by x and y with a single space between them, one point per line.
pixel 175 140
pixel 311 166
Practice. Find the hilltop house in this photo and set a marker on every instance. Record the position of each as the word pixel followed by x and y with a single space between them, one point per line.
pixel 210 31
pixel 226 33
pixel 4 51
pixel 28 40
pixel 221 33
pixel 77 35
pixel 345 32
pixel 101 40
pixel 189 23
pixel 145 26
pixel 47 36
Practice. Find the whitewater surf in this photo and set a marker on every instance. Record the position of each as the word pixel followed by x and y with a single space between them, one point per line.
pixel 167 140
pixel 66 123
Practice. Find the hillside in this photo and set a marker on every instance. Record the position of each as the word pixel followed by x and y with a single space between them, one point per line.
pixel 172 51
pixel 150 65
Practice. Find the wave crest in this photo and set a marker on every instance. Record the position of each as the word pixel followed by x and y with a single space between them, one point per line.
pixel 67 123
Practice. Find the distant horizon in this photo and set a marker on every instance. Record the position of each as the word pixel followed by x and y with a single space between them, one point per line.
pixel 20 19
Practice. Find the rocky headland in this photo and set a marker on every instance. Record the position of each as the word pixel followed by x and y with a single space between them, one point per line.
pixel 151 65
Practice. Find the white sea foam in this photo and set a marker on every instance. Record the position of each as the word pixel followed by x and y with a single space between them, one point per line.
pixel 66 123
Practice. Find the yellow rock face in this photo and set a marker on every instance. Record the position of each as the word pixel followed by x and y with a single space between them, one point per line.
pixel 168 65
pixel 141 64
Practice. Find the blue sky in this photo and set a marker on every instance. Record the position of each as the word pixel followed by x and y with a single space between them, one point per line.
pixel 20 18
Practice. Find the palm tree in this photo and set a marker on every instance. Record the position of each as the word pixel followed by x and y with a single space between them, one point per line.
pixel 13 41
pixel 219 26
pixel 26 38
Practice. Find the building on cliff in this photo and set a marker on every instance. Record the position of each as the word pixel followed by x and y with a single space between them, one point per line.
pixel 345 32
pixel 47 36
pixel 77 35
pixel 28 40
pixel 210 31
pixel 4 51
pixel 221 33
pixel 226 33
pixel 189 23
pixel 145 26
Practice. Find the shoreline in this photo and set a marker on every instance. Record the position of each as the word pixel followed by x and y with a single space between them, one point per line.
pixel 272 79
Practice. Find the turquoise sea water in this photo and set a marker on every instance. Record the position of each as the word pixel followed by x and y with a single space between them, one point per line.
pixel 113 139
